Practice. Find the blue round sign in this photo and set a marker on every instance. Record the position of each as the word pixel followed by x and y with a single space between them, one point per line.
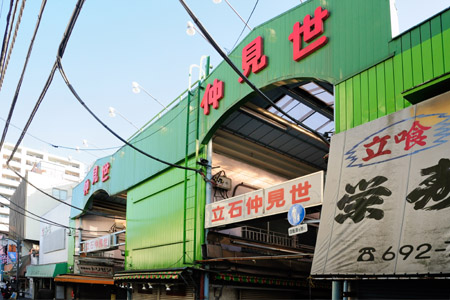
pixel 296 214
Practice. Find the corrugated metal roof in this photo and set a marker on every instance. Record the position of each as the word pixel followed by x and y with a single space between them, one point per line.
pixel 309 102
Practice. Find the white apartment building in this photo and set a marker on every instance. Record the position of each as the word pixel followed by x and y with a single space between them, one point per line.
pixel 26 159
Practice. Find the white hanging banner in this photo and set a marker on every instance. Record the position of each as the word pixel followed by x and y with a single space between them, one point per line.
pixel 387 196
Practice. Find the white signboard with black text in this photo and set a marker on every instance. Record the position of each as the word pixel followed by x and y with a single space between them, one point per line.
pixel 306 190
pixel 386 207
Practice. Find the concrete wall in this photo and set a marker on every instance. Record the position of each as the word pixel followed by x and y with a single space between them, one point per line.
pixel 59 214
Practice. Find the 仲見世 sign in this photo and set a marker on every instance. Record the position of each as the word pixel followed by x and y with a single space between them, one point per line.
pixel 276 199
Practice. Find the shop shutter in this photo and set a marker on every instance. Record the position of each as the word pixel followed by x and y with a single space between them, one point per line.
pixel 190 295
pixel 258 294
pixel 142 296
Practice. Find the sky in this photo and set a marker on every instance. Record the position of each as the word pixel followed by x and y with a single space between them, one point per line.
pixel 115 43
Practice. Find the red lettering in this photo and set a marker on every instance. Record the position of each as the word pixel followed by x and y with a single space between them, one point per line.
pixel 87 186
pixel 276 198
pixel 105 171
pixel 255 204
pixel 381 142
pixel 95 175
pixel 235 210
pixel 300 192
pixel 415 136
pixel 218 214
pixel 212 96
pixel 253 58
pixel 311 29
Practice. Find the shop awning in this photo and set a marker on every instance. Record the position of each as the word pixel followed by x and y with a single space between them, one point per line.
pixel 84 279
pixel 261 280
pixel 149 275
pixel 46 271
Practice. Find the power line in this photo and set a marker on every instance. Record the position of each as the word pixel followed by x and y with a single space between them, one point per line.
pixel 5 35
pixel 5 66
pixel 243 29
pixel 251 85
pixel 42 219
pixel 61 70
pixel 60 146
pixel 19 84
pixel 61 50
pixel 9 36
pixel 59 200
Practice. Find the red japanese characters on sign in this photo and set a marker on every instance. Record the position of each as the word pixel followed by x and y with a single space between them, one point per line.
pixel 100 243
pixel 95 177
pixel 300 192
pixel 309 30
pixel 272 200
pixel 253 58
pixel 87 186
pixel 413 137
pixel 105 171
pixel 235 209
pixel 275 198
pixel 212 96
pixel 254 203
pixel 218 214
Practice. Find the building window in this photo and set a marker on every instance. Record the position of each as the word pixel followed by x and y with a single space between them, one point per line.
pixel 59 194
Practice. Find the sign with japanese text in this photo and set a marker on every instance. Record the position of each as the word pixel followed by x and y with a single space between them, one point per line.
pixel 306 38
pixel 386 208
pixel 302 228
pixel 96 270
pixel 276 199
pixel 97 244
pixel 95 177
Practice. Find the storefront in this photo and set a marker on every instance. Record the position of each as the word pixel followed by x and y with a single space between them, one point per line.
pixel 209 216
pixel 41 280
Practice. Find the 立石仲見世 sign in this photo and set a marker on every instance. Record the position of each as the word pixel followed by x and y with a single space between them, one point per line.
pixel 276 199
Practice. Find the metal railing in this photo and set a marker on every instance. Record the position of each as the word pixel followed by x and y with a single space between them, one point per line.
pixel 271 237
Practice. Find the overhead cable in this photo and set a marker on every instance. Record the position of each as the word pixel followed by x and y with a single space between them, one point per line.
pixel 61 50
pixel 3 58
pixel 11 47
pixel 61 70
pixel 19 84
pixel 42 219
pixel 243 29
pixel 5 35
pixel 239 72
pixel 63 202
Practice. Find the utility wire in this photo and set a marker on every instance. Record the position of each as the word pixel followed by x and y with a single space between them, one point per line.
pixel 63 202
pixel 243 29
pixel 5 36
pixel 60 53
pixel 235 11
pixel 9 36
pixel 11 47
pixel 61 70
pixel 42 219
pixel 61 49
pixel 19 84
pixel 251 85
pixel 60 146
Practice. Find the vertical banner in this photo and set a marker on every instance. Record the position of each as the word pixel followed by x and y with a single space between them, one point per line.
pixel 386 206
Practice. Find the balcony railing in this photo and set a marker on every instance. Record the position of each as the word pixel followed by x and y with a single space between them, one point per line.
pixel 276 238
